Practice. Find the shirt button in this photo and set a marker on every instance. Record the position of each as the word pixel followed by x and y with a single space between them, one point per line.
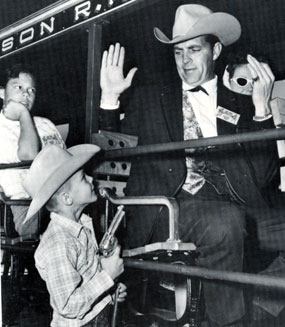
pixel 170 170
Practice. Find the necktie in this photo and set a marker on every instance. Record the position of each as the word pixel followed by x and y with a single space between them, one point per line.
pixel 192 129
pixel 194 181
pixel 199 88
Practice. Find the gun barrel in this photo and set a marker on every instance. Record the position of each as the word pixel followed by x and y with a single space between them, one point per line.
pixel 116 220
pixel 107 243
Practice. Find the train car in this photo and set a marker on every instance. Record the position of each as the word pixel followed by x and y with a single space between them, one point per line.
pixel 63 42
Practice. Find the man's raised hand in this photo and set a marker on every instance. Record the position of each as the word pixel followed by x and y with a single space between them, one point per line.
pixel 112 80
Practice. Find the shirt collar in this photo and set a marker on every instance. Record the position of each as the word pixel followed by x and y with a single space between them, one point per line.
pixel 73 227
pixel 209 86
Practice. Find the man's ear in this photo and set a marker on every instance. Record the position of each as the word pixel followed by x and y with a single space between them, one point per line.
pixel 217 49
pixel 2 92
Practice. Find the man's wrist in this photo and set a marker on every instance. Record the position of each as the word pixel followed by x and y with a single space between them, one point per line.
pixel 262 109
pixel 262 112
pixel 110 99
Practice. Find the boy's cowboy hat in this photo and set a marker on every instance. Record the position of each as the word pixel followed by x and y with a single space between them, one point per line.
pixel 195 20
pixel 50 169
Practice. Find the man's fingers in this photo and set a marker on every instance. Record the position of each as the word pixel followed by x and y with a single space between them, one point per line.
pixel 268 71
pixel 116 54
pixel 263 73
pixel 253 72
pixel 256 67
pixel 121 57
pixel 130 76
pixel 104 59
pixel 259 69
pixel 110 55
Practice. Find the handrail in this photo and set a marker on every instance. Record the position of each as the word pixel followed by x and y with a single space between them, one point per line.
pixel 270 134
pixel 238 277
pixel 170 203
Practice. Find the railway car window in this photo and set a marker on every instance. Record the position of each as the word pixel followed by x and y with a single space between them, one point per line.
pixel 60 67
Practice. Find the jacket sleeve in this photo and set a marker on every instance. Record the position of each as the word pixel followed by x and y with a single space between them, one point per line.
pixel 263 154
pixel 126 119
pixel 109 120
pixel 250 163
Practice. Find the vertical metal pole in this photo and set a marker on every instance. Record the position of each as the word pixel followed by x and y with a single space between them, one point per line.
pixel 93 80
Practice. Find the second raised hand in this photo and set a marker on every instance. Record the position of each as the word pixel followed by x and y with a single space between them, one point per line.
pixel 263 79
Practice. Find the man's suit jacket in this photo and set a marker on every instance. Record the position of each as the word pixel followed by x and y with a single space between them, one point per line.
pixel 155 116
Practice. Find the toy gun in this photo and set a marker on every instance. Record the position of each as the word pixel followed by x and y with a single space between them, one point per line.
pixel 109 241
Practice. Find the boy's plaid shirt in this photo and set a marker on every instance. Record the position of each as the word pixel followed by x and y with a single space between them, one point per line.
pixel 66 259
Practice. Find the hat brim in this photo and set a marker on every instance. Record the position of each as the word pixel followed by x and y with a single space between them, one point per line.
pixel 224 26
pixel 81 154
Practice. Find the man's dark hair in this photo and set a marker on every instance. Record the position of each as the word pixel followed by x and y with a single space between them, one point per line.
pixel 14 72
pixel 212 39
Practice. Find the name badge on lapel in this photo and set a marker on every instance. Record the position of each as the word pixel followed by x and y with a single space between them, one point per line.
pixel 227 115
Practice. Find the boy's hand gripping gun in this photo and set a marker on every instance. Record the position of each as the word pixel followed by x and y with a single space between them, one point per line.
pixel 109 241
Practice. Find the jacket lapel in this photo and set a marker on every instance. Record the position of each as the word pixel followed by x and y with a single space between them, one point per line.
pixel 239 103
pixel 171 100
pixel 227 100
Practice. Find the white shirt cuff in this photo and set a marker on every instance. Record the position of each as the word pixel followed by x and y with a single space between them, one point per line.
pixel 259 119
pixel 107 106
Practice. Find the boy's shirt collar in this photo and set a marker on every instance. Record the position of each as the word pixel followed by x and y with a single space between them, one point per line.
pixel 73 227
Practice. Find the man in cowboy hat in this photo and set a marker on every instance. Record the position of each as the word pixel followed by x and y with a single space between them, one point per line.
pixel 215 188
pixel 79 282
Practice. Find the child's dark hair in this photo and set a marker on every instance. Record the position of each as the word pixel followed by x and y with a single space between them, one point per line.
pixel 240 58
pixel 14 71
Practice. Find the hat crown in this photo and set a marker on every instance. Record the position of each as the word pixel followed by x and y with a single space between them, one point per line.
pixel 52 167
pixel 192 21
pixel 186 17
pixel 44 165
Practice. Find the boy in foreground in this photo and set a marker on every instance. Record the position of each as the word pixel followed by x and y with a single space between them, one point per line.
pixel 78 281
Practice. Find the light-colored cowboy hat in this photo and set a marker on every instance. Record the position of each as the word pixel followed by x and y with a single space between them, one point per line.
pixel 195 20
pixel 50 169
